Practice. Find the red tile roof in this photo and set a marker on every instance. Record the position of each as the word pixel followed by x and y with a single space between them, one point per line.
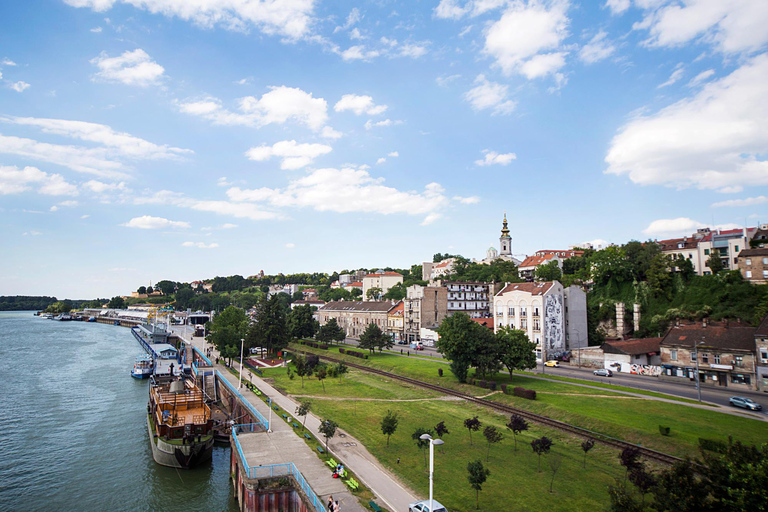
pixel 536 260
pixel 532 288
pixel 385 274
pixel 720 335
pixel 485 322
pixel 633 347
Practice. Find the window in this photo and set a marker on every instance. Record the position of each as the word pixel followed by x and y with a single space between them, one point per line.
pixel 536 311
pixel 511 310
pixel 717 358
pixel 736 249
pixel 499 310
pixel 673 355
pixel 765 261
pixel 524 324
pixel 748 261
pixel 764 356
pixel 536 325
pixel 738 360
pixel 749 274
pixel 705 358
pixel 737 378
pixel 706 252
pixel 523 311
pixel 765 274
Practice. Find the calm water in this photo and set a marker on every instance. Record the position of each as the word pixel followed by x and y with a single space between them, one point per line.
pixel 73 427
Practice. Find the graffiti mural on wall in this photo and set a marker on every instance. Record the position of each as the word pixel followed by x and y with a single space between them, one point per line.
pixel 636 369
pixel 554 338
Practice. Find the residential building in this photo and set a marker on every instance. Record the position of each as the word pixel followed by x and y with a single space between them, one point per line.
pixel 315 303
pixel 633 356
pixel 761 345
pixel 726 353
pixel 468 297
pixel 396 322
pixel 727 244
pixel 354 316
pixel 353 285
pixel 555 318
pixel 687 247
pixel 381 280
pixel 423 307
pixel 760 238
pixel 437 271
pixel 753 265
pixel 527 267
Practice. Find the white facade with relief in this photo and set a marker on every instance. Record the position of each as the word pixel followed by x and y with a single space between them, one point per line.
pixel 555 318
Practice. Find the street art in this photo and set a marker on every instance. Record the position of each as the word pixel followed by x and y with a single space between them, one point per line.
pixel 636 369
pixel 554 337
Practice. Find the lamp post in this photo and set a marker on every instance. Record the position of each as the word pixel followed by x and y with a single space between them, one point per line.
pixel 432 443
pixel 698 379
pixel 240 382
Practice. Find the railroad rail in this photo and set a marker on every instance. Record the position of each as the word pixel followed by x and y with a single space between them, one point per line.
pixel 648 453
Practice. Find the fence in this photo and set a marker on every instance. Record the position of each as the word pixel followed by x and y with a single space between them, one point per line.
pixel 261 420
pixel 276 470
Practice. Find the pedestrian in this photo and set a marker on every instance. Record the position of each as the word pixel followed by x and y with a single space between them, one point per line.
pixel 330 503
pixel 336 507
pixel 398 460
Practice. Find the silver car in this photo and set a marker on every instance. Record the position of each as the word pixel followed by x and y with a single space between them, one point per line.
pixel 746 403
pixel 423 506
pixel 603 372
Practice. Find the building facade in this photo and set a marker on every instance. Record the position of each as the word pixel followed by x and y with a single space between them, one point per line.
pixel 396 322
pixel 380 280
pixel 761 346
pixel 471 298
pixel 423 307
pixel 354 316
pixel 727 244
pixel 555 318
pixel 753 265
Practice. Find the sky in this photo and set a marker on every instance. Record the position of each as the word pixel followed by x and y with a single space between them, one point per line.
pixel 143 140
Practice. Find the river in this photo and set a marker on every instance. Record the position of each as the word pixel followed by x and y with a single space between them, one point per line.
pixel 73 425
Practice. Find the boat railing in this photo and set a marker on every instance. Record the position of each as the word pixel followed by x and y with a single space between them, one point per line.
pixel 278 470
pixel 256 415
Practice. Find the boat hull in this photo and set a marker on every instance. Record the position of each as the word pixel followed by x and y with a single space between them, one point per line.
pixel 140 375
pixel 186 456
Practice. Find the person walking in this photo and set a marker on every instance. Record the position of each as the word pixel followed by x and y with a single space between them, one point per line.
pixel 330 503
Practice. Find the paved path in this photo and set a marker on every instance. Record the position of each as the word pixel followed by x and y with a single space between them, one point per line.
pixel 388 490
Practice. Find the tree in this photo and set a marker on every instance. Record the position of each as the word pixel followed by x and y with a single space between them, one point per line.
pixel 478 474
pixel 684 267
pixel 372 338
pixel 150 290
pixel 389 424
pixel 184 297
pixel 587 445
pixel 270 329
pixel 321 373
pixel 644 481
pixel 301 322
pixel 679 489
pixel 328 429
pixel 165 287
pixel 457 343
pixel 554 464
pixel 473 425
pixel 541 447
pixel 630 459
pixel 714 262
pixel 441 429
pixel 396 292
pixel 303 368
pixel 739 477
pixel 331 331
pixel 517 351
pixel 548 272
pixel 226 330
pixel 493 436
pixel 142 290
pixel 422 443
pixel 116 303
pixel 304 408
pixel 517 425
pixel 373 293
pixel 659 276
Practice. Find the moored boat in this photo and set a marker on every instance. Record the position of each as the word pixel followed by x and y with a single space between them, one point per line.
pixel 143 366
pixel 179 422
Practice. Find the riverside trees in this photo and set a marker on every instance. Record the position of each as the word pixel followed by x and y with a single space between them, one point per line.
pixel 227 330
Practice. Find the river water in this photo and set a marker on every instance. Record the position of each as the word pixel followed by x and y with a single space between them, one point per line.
pixel 73 426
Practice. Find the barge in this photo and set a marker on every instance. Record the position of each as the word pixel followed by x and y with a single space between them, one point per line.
pixel 179 422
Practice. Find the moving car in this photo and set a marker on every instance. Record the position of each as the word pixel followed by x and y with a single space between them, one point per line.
pixel 423 506
pixel 603 372
pixel 746 403
pixel 552 363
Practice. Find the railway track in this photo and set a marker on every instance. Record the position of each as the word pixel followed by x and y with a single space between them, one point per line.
pixel 619 444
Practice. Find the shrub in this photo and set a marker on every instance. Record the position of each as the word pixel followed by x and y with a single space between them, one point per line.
pixel 712 445
pixel 440 372
pixel 525 393
pixel 504 389
pixel 664 430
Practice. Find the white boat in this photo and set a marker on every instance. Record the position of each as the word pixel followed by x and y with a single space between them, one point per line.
pixel 143 367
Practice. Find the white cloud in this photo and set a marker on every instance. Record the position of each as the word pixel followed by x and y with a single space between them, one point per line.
pixel 294 155
pixel 278 106
pixel 520 41
pixel 467 200
pixel 359 53
pixel 243 81
pixel 676 75
pixel 386 122
pixel 413 50
pixel 617 6
pixel 84 216
pixel 228 226
pixel 489 95
pixel 451 9
pixel 353 17
pixel 393 154
pixel 597 49
pixel 359 105
pixel 749 201
pixel 96 30
pixel 19 86
pixel 131 68
pixel 679 226
pixel 200 245
pixel 289 18
pixel 329 133
pixel 730 26
pixel 15 181
pixel 7 62
pixel 716 139
pixel 443 81
pixel 381 160
pixel 99 187
pixel 431 218
pixel 701 77
pixel 79 159
pixel 345 191
pixel 290 245
pixel 494 158
pixel 149 222
pixel 237 210
pixel 356 35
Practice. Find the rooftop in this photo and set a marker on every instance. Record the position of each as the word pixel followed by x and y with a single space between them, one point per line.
pixel 633 347
pixel 719 335
pixel 532 288
pixel 371 306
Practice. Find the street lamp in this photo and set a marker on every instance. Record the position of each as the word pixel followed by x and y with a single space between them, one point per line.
pixel 432 443
pixel 698 379
pixel 240 382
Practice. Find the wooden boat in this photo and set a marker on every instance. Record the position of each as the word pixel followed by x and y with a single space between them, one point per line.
pixel 179 422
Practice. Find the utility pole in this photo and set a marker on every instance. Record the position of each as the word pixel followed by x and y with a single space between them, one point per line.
pixel 698 379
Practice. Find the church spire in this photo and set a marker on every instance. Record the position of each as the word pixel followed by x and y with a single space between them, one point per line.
pixel 505 241
pixel 505 229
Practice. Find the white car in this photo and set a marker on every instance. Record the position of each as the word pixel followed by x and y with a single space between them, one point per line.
pixel 423 506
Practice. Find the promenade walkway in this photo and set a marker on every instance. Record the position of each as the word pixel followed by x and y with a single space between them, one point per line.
pixel 388 491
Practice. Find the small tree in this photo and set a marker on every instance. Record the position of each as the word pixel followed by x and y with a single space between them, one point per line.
pixel 422 443
pixel 714 262
pixel 441 429
pixel 305 406
pixel 472 424
pixel 303 368
pixel 630 459
pixel 341 369
pixel 587 445
pixel 328 429
pixel 493 436
pixel 644 481
pixel 517 424
pixel 389 424
pixel 478 474
pixel 540 447
pixel 321 373
pixel 554 464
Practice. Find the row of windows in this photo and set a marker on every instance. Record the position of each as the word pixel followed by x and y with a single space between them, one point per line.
pixel 748 274
pixel 748 261
pixel 705 358
pixel 511 311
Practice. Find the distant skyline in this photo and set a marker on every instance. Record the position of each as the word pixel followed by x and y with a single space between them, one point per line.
pixel 143 140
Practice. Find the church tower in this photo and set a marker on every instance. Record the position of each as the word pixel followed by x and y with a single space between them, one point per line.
pixel 505 241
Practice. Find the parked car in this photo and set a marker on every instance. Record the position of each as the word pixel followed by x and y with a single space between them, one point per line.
pixel 423 506
pixel 417 346
pixel 603 372
pixel 552 363
pixel 746 403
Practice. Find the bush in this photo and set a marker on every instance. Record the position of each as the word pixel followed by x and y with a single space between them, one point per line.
pixel 712 445
pixel 471 381
pixel 525 393
pixel 440 372
pixel 355 353
pixel 504 389
pixel 315 345
pixel 664 430
pixel 492 385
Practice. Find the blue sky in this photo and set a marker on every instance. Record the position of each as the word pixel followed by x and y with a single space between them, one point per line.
pixel 158 139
